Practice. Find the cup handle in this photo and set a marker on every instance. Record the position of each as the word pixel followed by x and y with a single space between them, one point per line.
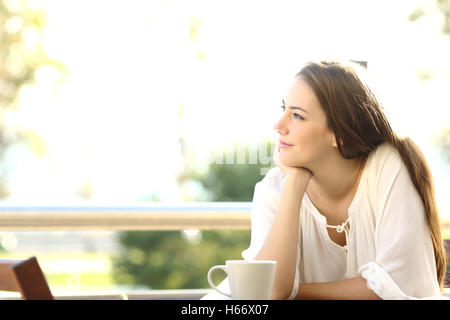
pixel 211 283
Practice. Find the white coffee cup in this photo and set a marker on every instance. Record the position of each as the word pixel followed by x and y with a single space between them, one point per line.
pixel 249 279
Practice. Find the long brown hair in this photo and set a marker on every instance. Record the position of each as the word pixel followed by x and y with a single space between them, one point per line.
pixel 360 125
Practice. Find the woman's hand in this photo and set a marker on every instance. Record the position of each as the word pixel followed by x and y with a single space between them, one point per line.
pixel 290 171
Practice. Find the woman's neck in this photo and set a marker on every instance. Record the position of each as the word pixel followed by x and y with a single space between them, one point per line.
pixel 336 178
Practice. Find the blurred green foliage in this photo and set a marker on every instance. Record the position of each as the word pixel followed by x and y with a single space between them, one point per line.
pixel 236 181
pixel 170 259
pixel 21 55
pixel 442 6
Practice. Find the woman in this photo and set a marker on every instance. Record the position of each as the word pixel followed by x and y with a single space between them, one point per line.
pixel 349 211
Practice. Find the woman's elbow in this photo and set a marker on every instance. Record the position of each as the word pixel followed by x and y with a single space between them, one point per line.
pixel 281 294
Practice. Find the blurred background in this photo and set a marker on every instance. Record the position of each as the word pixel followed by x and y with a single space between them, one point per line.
pixel 131 101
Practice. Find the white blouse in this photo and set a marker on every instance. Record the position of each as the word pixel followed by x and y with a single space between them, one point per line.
pixel 388 242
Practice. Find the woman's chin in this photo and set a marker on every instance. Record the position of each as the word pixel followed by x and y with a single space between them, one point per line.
pixel 291 163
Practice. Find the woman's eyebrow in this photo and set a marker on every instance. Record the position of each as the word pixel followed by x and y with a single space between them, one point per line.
pixel 295 107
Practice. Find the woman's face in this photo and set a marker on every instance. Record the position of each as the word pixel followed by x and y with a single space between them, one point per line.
pixel 303 125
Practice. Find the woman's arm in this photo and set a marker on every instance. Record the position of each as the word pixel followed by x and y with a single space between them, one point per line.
pixel 348 289
pixel 281 242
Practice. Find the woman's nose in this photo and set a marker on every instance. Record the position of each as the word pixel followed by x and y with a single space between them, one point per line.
pixel 280 127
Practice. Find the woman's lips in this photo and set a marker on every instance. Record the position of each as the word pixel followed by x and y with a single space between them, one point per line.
pixel 285 145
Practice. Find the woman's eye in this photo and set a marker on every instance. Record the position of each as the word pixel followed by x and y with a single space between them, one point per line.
pixel 298 116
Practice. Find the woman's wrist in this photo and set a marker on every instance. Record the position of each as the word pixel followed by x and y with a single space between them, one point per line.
pixel 299 180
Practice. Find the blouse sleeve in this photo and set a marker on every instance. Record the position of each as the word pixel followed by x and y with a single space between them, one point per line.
pixel 263 210
pixel 404 267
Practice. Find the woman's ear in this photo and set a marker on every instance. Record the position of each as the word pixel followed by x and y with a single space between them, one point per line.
pixel 334 143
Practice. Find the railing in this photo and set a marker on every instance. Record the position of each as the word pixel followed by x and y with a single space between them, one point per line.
pixel 152 216
pixel 149 216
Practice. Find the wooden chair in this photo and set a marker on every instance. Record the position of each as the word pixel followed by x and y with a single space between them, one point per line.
pixel 26 277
